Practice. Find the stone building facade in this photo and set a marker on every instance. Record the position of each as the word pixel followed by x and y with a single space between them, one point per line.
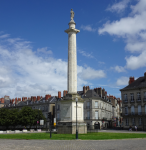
pixel 134 103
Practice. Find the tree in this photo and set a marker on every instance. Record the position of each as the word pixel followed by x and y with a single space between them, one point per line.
pixel 5 117
pixel 28 116
pixel 14 117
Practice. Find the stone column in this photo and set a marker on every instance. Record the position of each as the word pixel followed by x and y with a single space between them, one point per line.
pixel 72 56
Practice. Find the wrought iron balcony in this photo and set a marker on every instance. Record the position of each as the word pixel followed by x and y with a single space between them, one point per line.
pixel 139 99
pixel 125 101
pixel 132 101
pixel 139 113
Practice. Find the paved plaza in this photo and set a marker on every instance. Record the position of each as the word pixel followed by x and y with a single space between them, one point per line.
pixel 131 144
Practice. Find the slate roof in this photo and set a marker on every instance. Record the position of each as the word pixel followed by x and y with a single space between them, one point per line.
pixel 91 93
pixel 52 99
pixel 139 83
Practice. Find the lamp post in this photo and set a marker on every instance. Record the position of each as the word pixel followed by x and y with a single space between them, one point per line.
pixel 76 119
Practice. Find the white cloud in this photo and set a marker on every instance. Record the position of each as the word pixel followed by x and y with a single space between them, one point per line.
pixel 133 30
pixel 122 81
pixel 89 55
pixel 88 28
pixel 118 7
pixel 89 73
pixel 44 50
pixel 135 62
pixel 25 73
pixel 4 36
pixel 119 69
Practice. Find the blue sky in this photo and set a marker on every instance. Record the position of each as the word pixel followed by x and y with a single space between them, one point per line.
pixel 33 45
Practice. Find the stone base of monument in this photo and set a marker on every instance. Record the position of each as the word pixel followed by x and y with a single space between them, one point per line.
pixel 70 128
pixel 69 110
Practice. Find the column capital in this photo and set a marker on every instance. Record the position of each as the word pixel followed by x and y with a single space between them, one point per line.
pixel 72 30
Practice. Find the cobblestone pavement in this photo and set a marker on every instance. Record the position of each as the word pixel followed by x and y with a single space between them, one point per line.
pixel 131 144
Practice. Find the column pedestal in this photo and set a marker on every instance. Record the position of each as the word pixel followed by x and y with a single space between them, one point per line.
pixel 67 125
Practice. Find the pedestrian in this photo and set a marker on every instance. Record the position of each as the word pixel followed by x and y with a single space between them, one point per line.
pixel 135 128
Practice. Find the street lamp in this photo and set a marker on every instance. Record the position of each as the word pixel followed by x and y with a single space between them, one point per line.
pixel 76 119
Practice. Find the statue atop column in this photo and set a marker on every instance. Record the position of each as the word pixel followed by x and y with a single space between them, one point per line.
pixel 72 15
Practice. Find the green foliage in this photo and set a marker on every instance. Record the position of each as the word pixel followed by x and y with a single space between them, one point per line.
pixel 5 117
pixel 26 116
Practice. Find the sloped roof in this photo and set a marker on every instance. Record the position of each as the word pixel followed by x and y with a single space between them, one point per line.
pixel 91 93
pixel 139 83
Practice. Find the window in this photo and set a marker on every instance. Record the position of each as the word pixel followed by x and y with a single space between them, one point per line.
pixel 126 110
pixel 96 104
pixel 138 96
pixel 125 97
pixel 140 122
pixel 132 110
pixel 132 96
pixel 133 121
pixel 96 114
pixel 139 109
pixel 127 122
pixel 88 104
pixel 88 114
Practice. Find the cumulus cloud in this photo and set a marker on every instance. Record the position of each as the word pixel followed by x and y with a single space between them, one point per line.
pixel 88 28
pixel 122 81
pixel 89 73
pixel 133 30
pixel 25 73
pixel 44 50
pixel 119 69
pixel 118 7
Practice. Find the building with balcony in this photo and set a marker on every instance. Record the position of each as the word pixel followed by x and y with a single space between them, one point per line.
pixel 134 103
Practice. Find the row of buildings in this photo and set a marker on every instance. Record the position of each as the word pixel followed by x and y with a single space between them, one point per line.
pixel 99 108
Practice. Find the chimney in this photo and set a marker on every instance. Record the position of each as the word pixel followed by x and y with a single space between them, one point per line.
pixel 103 92
pixel 65 92
pixel 31 98
pixel 145 76
pixel 38 98
pixel 19 99
pixel 59 94
pixel 34 98
pixel 96 90
pixel 2 100
pixel 131 79
pixel 84 89
pixel 47 96
pixel 100 92
pixel 23 99
pixel 12 101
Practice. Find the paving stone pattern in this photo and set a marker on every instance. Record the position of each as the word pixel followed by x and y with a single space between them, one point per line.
pixel 131 144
